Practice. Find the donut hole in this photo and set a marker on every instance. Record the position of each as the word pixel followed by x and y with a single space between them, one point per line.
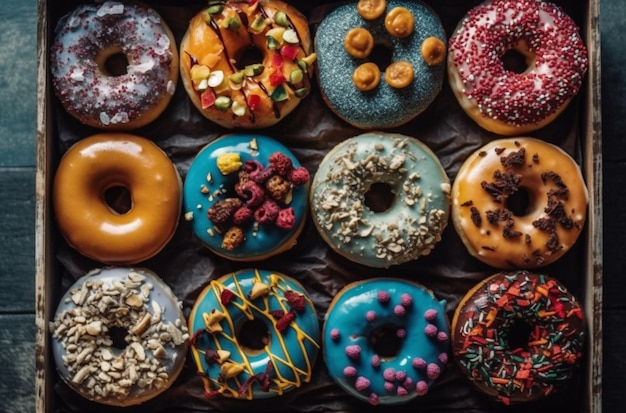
pixel 519 203
pixel 253 336
pixel 118 337
pixel 515 61
pixel 379 197
pixel 118 199
pixel 385 341
pixel 519 335
pixel 381 55
pixel 249 55
pixel 113 63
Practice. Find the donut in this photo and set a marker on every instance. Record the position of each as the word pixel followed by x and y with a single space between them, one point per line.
pixel 518 336
pixel 519 203
pixel 119 336
pixel 255 335
pixel 380 199
pixel 114 65
pixel 246 197
pixel 382 68
pixel 508 97
pixel 102 226
pixel 385 340
pixel 247 64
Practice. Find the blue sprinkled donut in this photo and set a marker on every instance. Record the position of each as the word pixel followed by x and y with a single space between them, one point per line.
pixel 384 106
pixel 359 316
pixel 246 196
pixel 260 366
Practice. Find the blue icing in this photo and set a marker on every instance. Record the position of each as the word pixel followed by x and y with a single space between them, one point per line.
pixel 413 224
pixel 384 106
pixel 291 352
pixel 347 316
pixel 258 241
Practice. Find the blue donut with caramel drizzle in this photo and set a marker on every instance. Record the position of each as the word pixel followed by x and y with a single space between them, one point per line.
pixel 256 335
pixel 246 197
pixel 385 340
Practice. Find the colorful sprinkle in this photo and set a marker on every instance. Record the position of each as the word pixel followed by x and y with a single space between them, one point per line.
pixel 353 351
pixel 430 314
pixel 433 370
pixel 406 300
pixel 349 371
pixel 442 336
pixel 399 310
pixel 362 383
pixel 419 363
pixel 400 333
pixel 431 330
pixel 383 297
pixel 375 361
pixel 334 334
pixel 370 315
pixel 421 387
pixel 389 374
pixel 389 386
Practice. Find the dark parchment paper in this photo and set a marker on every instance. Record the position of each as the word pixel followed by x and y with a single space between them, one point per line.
pixel 310 131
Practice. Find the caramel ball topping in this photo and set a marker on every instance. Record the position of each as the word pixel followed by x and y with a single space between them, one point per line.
pixel 359 43
pixel 399 74
pixel 400 22
pixel 371 9
pixel 433 51
pixel 366 77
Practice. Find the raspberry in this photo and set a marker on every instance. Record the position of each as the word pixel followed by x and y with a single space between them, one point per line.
pixel 257 172
pixel 267 212
pixel 242 215
pixel 226 296
pixel 283 323
pixel 280 163
pixel 251 193
pixel 286 219
pixel 296 301
pixel 299 176
pixel 278 188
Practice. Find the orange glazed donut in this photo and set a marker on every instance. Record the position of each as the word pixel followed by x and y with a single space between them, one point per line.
pixel 227 82
pixel 99 165
pixel 96 87
pixel 507 100
pixel 519 203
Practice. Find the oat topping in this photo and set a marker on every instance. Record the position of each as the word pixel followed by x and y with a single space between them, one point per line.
pixel 101 361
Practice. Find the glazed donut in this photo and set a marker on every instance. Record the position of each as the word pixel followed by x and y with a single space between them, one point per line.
pixel 505 99
pixel 401 172
pixel 226 81
pixel 246 197
pixel 114 65
pixel 519 203
pixel 108 231
pixel 348 43
pixel 518 336
pixel 385 340
pixel 256 335
pixel 119 336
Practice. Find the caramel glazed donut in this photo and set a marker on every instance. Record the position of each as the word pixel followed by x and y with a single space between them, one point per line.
pixel 105 231
pixel 347 43
pixel 256 335
pixel 518 336
pixel 498 98
pixel 373 233
pixel 86 78
pixel 494 221
pixel 224 85
pixel 119 336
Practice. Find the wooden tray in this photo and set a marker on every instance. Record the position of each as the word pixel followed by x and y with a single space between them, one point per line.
pixel 47 239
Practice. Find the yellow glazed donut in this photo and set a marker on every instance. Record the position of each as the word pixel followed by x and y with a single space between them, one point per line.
pixel 226 81
pixel 508 100
pixel 106 162
pixel 119 336
pixel 519 203
pixel 101 90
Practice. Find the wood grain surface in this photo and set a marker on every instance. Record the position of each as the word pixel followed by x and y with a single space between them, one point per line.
pixel 18 106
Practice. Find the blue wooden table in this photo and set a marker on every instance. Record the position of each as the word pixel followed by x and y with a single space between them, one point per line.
pixel 18 21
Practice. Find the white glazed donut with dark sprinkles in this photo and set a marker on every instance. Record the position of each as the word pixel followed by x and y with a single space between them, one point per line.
pixel 87 38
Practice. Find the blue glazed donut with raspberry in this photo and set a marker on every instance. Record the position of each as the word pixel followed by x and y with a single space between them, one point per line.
pixel 246 197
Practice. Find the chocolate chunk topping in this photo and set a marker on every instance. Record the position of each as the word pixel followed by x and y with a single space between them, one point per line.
pixel 493 216
pixel 498 151
pixel 514 159
pixel 504 184
pixel 475 214
pixel 467 203
pixel 536 158
pixel 482 154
